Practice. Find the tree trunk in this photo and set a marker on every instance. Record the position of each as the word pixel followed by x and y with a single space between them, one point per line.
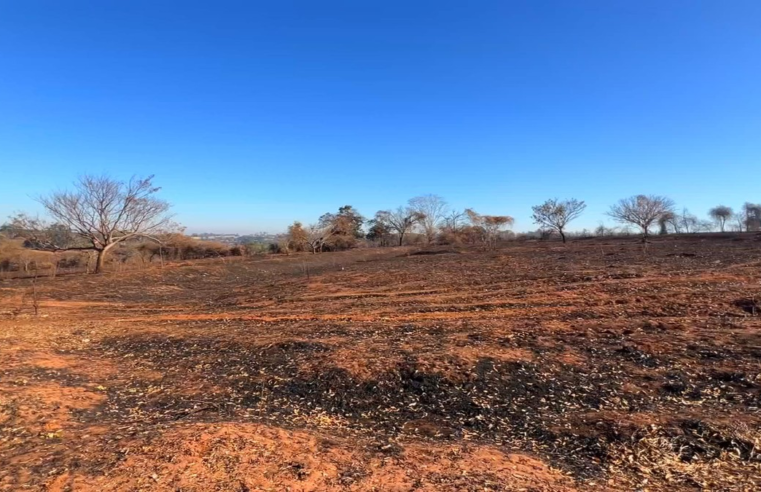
pixel 562 235
pixel 401 238
pixel 100 260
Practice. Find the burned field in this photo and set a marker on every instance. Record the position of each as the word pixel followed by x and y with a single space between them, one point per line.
pixel 533 367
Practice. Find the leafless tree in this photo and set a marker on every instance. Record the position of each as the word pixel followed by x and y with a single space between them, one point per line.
pixel 602 230
pixel 317 235
pixel 641 210
pixel 555 214
pixel 36 232
pixel 105 212
pixel 432 209
pixel 721 215
pixel 489 225
pixel 704 226
pixel 454 221
pixel 739 225
pixel 687 222
pixel 453 228
pixel 401 220
pixel 21 225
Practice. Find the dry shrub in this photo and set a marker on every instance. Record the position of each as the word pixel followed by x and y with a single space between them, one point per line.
pixel 181 247
pixel 461 235
pixel 17 260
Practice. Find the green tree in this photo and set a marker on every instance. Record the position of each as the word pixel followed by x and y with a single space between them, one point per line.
pixel 343 229
pixel 379 230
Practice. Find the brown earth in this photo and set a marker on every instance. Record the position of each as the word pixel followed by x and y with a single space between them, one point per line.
pixel 591 366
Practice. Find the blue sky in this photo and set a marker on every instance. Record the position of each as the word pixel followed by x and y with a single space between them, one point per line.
pixel 253 114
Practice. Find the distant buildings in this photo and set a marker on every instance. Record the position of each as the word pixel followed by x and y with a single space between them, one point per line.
pixel 261 237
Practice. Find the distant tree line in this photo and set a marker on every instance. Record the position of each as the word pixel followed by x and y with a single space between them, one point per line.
pixel 425 218
pixel 101 215
pixel 428 220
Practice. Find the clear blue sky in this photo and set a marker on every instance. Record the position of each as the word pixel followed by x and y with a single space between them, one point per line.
pixel 253 114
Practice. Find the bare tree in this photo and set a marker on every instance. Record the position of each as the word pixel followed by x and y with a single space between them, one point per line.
pixel 687 221
pixel 704 226
pixel 454 221
pixel 489 225
pixel 603 230
pixel 721 215
pixel 452 228
pixel 432 209
pixel 317 235
pixel 105 212
pixel 555 214
pixel 401 220
pixel 641 210
pixel 739 220
pixel 37 232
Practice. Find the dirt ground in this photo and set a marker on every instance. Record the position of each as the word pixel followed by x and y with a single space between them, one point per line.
pixel 538 366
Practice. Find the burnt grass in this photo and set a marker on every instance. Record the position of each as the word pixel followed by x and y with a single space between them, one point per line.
pixel 570 354
pixel 496 402
pixel 542 406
